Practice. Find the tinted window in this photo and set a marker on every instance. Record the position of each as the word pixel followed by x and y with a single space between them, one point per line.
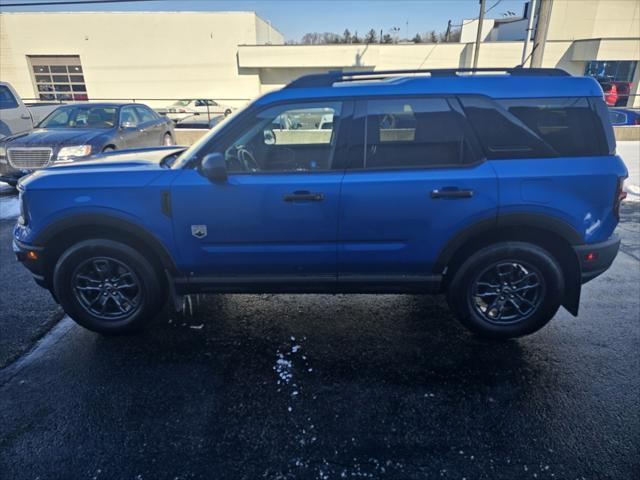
pixel 414 132
pixel 568 125
pixel 81 117
pixel 145 114
pixel 6 98
pixel 287 138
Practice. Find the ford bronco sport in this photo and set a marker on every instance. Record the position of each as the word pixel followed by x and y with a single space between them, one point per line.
pixel 500 189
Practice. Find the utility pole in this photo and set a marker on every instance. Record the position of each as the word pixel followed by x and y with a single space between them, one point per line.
pixel 542 28
pixel 527 36
pixel 476 51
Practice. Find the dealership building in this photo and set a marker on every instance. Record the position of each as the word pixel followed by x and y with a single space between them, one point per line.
pixel 236 56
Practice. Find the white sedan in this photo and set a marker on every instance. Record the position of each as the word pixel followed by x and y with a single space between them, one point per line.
pixel 184 108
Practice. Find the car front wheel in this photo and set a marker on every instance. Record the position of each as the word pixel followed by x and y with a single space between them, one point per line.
pixel 107 286
pixel 507 290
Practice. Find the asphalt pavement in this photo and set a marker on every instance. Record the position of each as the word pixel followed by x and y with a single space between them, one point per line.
pixel 324 387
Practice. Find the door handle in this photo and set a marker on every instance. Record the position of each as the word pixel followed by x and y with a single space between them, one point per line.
pixel 451 193
pixel 303 196
pixel 25 116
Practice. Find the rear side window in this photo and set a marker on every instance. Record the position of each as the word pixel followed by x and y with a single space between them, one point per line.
pixel 568 125
pixel 540 127
pixel 145 114
pixel 7 100
pixel 414 133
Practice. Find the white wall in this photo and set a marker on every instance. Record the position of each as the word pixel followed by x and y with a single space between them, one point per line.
pixel 139 55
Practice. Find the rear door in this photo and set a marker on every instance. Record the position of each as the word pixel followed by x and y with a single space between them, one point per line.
pixel 416 178
pixel 150 127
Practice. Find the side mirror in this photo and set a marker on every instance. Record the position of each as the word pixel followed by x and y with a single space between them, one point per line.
pixel 214 167
pixel 128 125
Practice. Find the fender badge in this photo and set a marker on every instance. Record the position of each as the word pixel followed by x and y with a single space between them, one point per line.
pixel 199 231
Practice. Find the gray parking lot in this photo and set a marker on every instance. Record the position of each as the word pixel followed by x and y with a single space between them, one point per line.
pixel 313 386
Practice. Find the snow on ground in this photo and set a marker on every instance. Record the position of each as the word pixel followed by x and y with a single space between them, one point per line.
pixel 5 187
pixel 9 208
pixel 630 153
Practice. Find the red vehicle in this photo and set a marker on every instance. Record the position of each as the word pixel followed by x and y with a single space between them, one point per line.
pixel 610 93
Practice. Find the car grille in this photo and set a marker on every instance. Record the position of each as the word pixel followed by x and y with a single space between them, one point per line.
pixel 29 158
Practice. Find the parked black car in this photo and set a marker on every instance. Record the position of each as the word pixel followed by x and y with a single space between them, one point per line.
pixel 75 132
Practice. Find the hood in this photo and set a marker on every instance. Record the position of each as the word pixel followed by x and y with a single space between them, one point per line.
pixel 122 159
pixel 55 137
pixel 122 169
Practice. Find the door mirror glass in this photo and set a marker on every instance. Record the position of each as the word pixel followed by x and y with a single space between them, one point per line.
pixel 214 167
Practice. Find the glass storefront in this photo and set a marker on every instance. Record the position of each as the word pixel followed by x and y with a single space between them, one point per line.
pixel 611 71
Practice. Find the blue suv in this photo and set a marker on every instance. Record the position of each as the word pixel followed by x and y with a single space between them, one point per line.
pixel 500 189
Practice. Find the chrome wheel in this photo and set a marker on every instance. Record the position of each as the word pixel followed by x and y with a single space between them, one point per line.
pixel 107 288
pixel 507 292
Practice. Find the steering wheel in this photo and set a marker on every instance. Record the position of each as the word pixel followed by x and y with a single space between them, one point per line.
pixel 246 158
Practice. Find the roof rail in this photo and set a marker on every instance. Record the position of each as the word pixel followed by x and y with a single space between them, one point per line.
pixel 334 76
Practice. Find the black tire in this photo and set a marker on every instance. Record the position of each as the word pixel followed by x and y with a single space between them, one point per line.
pixel 144 300
pixel 227 112
pixel 108 149
pixel 514 306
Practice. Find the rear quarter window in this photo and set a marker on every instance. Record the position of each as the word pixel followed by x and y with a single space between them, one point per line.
pixel 536 127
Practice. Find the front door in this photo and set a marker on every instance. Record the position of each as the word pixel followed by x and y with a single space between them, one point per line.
pixel 415 179
pixel 275 218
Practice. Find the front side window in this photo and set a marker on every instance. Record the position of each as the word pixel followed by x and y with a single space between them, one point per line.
pixel 415 133
pixel 286 138
pixel 7 100
pixel 145 114
pixel 128 117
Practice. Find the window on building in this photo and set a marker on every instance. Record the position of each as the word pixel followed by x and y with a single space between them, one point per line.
pixel 287 138
pixel 414 133
pixel 611 71
pixel 58 78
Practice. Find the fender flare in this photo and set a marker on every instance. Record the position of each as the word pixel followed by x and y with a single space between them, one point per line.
pixel 542 222
pixel 102 220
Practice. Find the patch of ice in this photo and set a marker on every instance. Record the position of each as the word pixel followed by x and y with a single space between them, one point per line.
pixel 9 208
pixel 630 153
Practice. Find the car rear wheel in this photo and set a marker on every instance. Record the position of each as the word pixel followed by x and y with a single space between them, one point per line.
pixel 507 290
pixel 167 141
pixel 107 286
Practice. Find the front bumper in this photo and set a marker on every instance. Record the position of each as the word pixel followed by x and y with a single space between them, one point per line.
pixel 596 258
pixel 34 265
pixel 10 175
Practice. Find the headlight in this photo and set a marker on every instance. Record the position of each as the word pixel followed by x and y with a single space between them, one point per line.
pixel 3 152
pixel 66 153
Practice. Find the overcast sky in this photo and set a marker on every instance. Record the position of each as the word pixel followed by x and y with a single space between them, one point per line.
pixel 294 18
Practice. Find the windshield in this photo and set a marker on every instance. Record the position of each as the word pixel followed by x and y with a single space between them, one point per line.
pixel 189 152
pixel 181 103
pixel 81 117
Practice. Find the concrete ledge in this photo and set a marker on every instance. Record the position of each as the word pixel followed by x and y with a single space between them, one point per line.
pixel 188 136
pixel 630 133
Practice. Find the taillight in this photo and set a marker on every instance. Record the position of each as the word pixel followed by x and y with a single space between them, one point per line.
pixel 620 196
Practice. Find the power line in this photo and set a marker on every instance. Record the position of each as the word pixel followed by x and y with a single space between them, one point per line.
pixel 70 2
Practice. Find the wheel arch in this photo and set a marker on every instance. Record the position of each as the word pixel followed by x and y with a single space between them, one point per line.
pixel 59 236
pixel 552 234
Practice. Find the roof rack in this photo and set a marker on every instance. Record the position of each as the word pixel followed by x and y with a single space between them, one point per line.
pixel 334 76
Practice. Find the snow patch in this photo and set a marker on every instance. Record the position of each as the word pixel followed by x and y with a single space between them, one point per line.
pixel 9 208
pixel 630 153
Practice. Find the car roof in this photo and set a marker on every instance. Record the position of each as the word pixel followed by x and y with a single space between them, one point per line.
pixel 494 85
pixel 100 104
